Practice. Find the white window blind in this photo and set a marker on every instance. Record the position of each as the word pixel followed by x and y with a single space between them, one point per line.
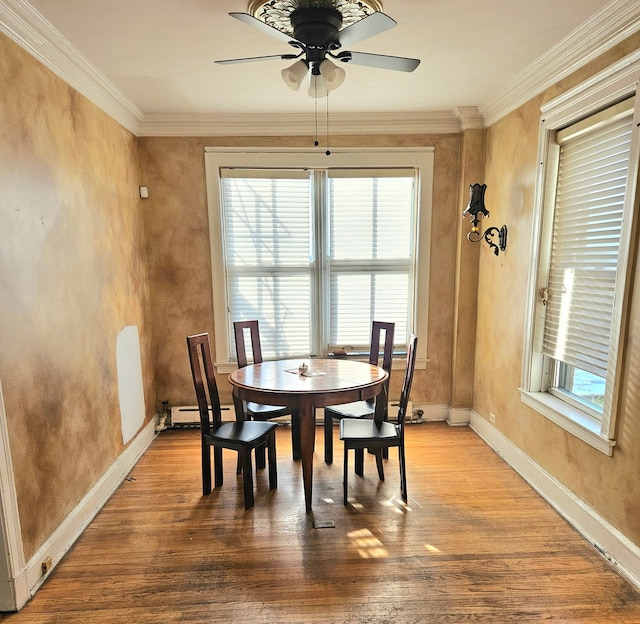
pixel 266 220
pixel 361 224
pixel 372 225
pixel 590 193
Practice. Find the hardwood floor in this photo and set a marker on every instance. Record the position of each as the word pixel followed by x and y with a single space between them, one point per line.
pixel 474 544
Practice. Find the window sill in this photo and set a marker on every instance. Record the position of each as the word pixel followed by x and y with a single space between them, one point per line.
pixel 569 418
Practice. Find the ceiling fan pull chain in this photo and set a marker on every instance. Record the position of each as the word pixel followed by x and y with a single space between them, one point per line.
pixel 328 152
pixel 315 104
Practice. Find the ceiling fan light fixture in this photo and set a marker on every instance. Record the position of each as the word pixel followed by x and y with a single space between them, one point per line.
pixel 294 75
pixel 332 74
pixel 317 86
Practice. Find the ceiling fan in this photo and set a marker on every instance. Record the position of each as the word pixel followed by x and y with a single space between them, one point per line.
pixel 315 29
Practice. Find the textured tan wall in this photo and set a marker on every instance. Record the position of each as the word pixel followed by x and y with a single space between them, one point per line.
pixel 466 276
pixel 609 485
pixel 179 257
pixel 72 275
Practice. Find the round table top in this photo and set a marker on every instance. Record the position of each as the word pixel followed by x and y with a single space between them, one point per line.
pixel 322 375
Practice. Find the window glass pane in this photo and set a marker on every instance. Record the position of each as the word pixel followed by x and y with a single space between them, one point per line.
pixel 371 239
pixel 268 259
pixel 583 385
pixel 266 222
pixel 371 217
pixel 358 299
pixel 281 303
pixel 592 179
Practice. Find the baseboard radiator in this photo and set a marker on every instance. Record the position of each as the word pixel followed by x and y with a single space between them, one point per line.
pixel 188 416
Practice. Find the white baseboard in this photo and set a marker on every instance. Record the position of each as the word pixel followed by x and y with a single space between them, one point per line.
pixel 458 416
pixel 606 539
pixel 77 521
pixel 13 591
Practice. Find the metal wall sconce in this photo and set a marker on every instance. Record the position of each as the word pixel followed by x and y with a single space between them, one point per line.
pixel 475 207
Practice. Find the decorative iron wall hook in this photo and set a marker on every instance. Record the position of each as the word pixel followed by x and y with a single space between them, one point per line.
pixel 476 210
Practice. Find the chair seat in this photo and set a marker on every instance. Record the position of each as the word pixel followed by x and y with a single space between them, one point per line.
pixel 367 431
pixel 258 411
pixel 245 432
pixel 357 409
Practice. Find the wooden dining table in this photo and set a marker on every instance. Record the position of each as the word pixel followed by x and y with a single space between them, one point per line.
pixel 326 381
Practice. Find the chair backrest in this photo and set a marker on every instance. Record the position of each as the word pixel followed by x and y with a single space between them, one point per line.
pixel 377 328
pixel 408 380
pixel 201 370
pixel 241 348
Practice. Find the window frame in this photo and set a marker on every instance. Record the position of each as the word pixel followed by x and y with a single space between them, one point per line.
pixel 612 85
pixel 422 159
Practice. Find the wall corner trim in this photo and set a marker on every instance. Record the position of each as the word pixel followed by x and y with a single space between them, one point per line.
pixel 616 548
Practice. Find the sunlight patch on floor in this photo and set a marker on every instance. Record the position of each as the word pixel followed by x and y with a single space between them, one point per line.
pixel 400 506
pixel 367 544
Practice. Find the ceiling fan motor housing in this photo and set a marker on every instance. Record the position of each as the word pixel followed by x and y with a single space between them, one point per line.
pixel 317 27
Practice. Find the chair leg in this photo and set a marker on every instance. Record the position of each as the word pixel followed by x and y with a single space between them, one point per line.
pixel 206 468
pixel 359 462
pixel 217 466
pixel 379 455
pixel 403 473
pixel 385 450
pixel 345 477
pixel 247 476
pixel 240 415
pixel 328 438
pixel 273 468
pixel 295 434
pixel 260 457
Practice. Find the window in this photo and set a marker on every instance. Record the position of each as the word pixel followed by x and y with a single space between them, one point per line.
pixel 584 221
pixel 317 248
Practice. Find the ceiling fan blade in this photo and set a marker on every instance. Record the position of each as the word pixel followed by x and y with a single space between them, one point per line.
pixel 250 59
pixel 397 63
pixel 369 26
pixel 265 28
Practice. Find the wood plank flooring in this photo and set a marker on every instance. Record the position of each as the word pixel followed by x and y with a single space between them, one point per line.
pixel 474 544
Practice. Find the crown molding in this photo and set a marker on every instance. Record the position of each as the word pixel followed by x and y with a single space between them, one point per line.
pixel 298 124
pixel 470 118
pixel 613 24
pixel 28 28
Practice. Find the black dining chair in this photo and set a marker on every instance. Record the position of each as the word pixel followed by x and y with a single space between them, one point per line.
pixel 240 436
pixel 379 434
pixel 257 411
pixel 361 409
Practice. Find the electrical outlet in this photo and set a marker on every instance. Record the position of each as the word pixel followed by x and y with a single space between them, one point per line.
pixel 492 417
pixel 47 564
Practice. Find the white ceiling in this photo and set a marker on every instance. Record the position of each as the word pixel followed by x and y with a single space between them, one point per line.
pixel 160 53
